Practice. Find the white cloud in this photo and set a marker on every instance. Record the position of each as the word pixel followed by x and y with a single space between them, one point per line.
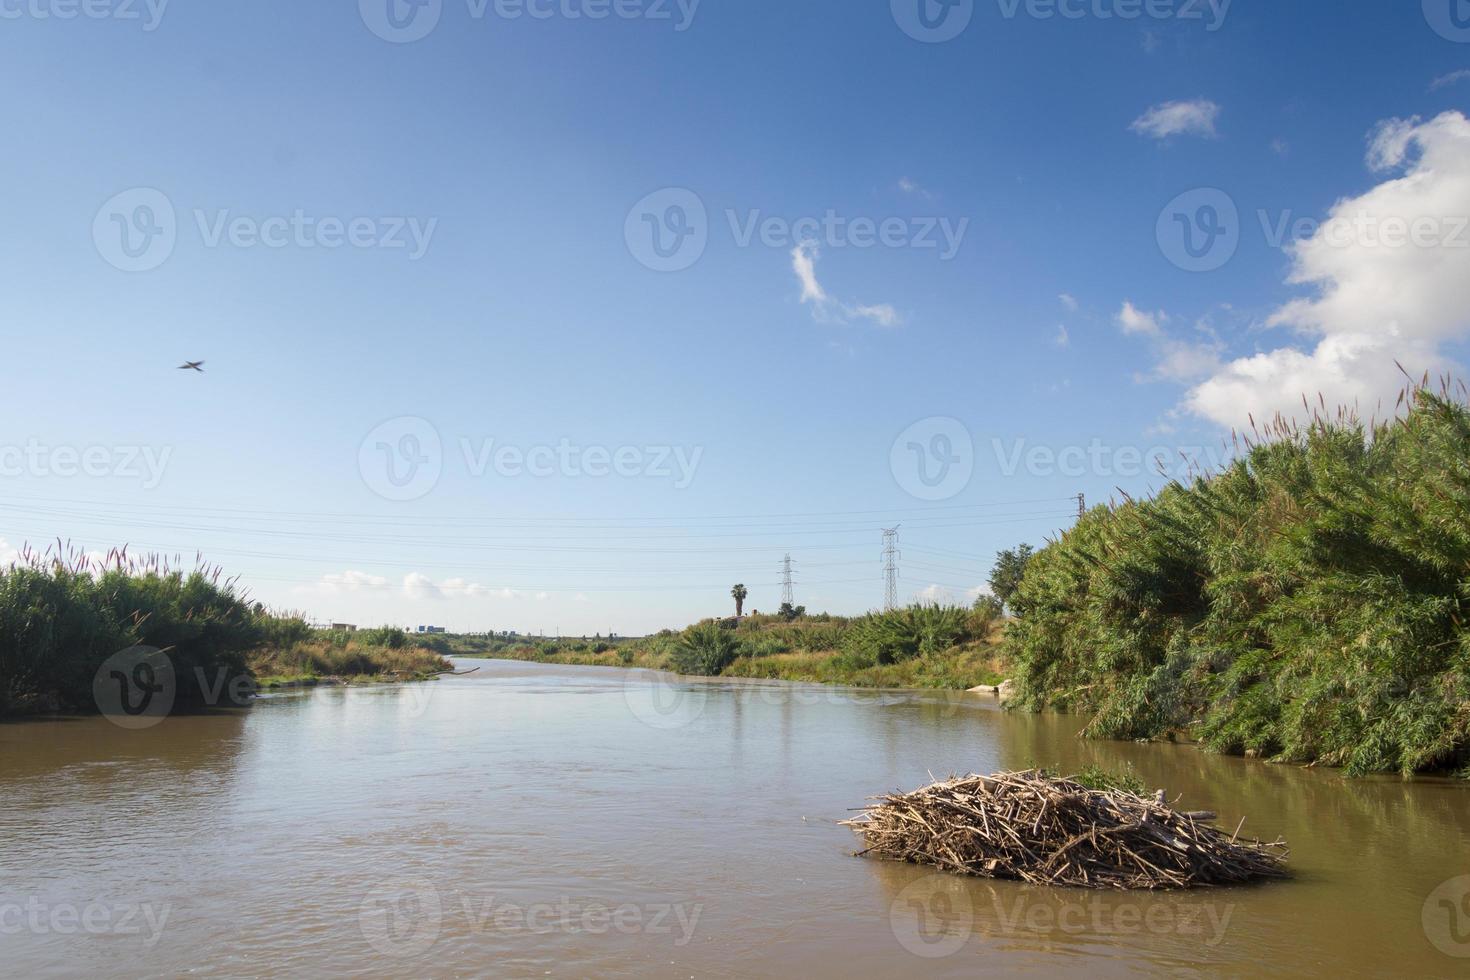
pixel 826 308
pixel 1175 359
pixel 1280 147
pixel 1195 117
pixel 1453 78
pixel 911 186
pixel 1135 322
pixel 349 581
pixel 804 264
pixel 419 586
pixel 1376 300
pixel 1069 302
pixel 1063 339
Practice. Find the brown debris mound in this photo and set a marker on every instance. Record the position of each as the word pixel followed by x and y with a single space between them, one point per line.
pixel 1034 827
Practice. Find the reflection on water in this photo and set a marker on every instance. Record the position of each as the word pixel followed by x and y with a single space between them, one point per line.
pixel 530 820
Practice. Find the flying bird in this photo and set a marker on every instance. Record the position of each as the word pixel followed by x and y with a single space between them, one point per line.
pixel 192 366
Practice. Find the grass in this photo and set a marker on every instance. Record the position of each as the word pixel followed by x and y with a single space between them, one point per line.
pixel 1308 604
pixel 934 647
pixel 341 659
pixel 64 616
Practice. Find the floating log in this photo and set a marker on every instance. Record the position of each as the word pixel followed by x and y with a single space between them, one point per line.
pixel 1034 827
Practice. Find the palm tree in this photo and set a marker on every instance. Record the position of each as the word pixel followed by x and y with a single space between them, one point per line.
pixel 739 592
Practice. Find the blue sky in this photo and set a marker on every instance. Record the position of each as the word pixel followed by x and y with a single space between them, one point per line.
pixel 491 174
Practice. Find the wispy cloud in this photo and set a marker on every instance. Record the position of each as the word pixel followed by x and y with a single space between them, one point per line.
pixel 1063 339
pixel 1453 78
pixel 1069 302
pixel 825 307
pixel 1179 359
pixel 910 186
pixel 1194 117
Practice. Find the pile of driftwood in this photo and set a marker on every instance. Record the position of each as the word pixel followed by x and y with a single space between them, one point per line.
pixel 1037 828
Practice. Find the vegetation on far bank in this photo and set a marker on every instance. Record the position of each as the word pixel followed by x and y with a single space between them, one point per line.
pixel 924 646
pixel 63 616
pixel 1308 604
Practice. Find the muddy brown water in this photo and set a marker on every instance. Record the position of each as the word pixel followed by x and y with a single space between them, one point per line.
pixel 532 820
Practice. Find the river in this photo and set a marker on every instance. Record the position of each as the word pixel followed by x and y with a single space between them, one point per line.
pixel 531 820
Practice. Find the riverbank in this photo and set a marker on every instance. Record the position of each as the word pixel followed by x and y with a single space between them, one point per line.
pixel 80 635
pixel 1308 604
pixel 922 647
pixel 339 660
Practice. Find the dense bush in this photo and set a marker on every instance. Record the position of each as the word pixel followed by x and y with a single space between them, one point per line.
pixel 61 620
pixel 1307 604
pixel 705 649
pixel 902 634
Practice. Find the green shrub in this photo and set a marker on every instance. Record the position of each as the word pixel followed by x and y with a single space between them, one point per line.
pixel 1307 604
pixel 706 649
pixel 902 634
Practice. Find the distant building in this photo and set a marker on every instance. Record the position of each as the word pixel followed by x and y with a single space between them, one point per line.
pixel 431 629
pixel 343 628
